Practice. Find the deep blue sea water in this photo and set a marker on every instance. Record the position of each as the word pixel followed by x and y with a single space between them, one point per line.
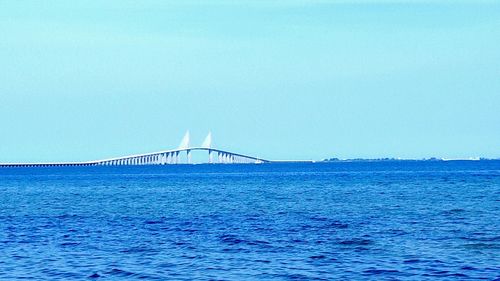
pixel 342 220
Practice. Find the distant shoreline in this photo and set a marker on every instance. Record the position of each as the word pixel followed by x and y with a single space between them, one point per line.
pixel 432 159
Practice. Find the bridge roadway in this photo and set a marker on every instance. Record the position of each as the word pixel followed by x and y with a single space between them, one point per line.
pixel 156 158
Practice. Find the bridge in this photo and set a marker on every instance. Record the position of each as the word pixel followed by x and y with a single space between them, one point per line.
pixel 165 157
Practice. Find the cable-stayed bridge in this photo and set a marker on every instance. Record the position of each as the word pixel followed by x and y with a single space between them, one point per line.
pixel 165 157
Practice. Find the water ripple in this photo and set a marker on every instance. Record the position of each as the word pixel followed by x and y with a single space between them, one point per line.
pixel 338 221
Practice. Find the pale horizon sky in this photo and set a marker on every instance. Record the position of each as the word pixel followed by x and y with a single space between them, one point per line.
pixel 83 80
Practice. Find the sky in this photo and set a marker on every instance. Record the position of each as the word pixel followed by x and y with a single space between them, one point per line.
pixel 84 80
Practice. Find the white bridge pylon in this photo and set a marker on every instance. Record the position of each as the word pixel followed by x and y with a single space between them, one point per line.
pixel 174 156
pixel 185 141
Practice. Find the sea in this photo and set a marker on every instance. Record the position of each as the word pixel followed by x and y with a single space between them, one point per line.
pixel 359 220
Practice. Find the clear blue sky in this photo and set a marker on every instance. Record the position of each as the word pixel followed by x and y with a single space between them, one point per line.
pixel 81 80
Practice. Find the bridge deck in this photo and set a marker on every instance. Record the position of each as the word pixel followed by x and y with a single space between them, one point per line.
pixel 155 158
